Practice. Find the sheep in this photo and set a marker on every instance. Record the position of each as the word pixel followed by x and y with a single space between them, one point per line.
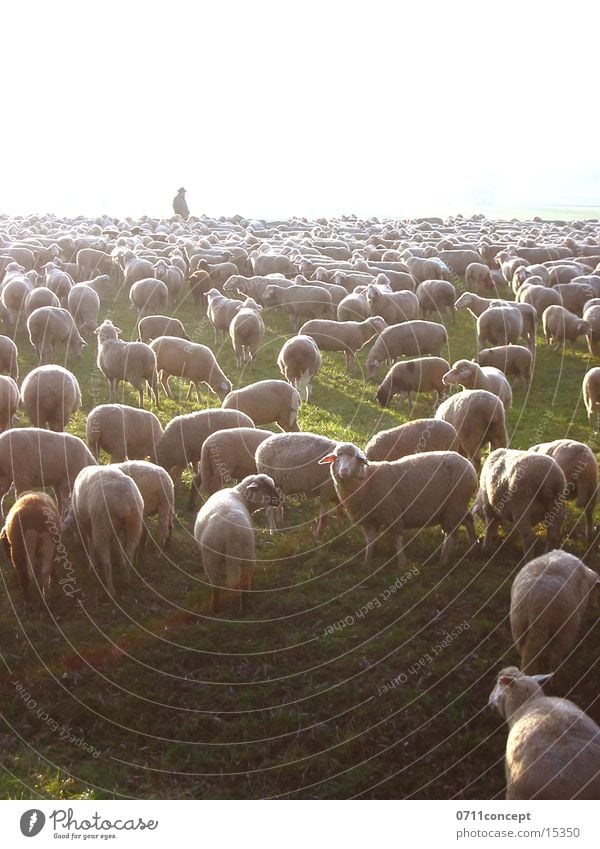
pixel 346 336
pixel 291 460
pixel 522 488
pixel 411 339
pixel 299 361
pixel 499 325
pixel 513 360
pixel 253 287
pixel 553 747
pixel 191 361
pixel 220 311
pixel 267 401
pixel 226 455
pixel 432 488
pixel 425 269
pixel 107 509
pixel 540 297
pixel 31 457
pixel 548 599
pixel 471 375
pixel 158 494
pixel 436 296
pixel 200 285
pixel 58 281
pixel 458 260
pixel 171 276
pixel 478 276
pixel 300 302
pixel 133 362
pixel 477 306
pixel 152 326
pixel 40 297
pixel 354 307
pixel 225 535
pixel 478 417
pixel 149 296
pixel 181 442
pixel 50 395
pixel 591 315
pixel 9 401
pixel 47 326
pixel 269 264
pixel 31 534
pixel 9 357
pixel 580 468
pixel 84 305
pixel 561 326
pixel 125 433
pixel 411 438
pixel 393 307
pixel 591 395
pixel 420 375
pixel 338 293
pixel 246 331
pixel 574 296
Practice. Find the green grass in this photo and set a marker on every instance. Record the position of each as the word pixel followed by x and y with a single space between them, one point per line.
pixel 179 705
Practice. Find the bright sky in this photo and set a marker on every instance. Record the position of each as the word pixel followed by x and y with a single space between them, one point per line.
pixel 271 109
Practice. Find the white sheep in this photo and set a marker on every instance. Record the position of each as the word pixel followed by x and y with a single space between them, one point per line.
pixel 267 401
pixel 561 326
pixel 513 360
pixel 471 375
pixel 393 307
pixel 246 330
pixel 478 417
pixel 84 305
pixel 591 395
pixel 220 311
pixel 50 395
pixel 9 401
pixel 152 326
pixel 299 361
pixel 9 357
pixel 411 438
pixel 410 339
pixel 158 494
pixel 346 336
pixel 49 325
pixel 149 296
pixel 191 361
pixel 40 297
pixel 133 362
pixel 122 431
pixel 424 374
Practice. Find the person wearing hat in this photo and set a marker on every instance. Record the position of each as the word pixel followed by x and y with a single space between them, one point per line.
pixel 180 206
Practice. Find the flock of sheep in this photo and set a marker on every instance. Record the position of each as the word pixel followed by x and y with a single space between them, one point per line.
pixel 344 284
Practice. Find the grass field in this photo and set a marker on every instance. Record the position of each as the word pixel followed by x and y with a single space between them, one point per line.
pixel 150 696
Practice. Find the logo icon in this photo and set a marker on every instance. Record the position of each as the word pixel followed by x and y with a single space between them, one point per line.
pixel 32 822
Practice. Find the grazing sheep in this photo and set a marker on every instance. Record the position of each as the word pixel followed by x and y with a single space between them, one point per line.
pixel 9 401
pixel 40 297
pixel 580 468
pixel 574 296
pixel 478 417
pixel 189 361
pixel 513 360
pixel 436 296
pixel 433 488
pixel 220 312
pixel 591 315
pixel 9 357
pixel 299 361
pixel 149 296
pixel 410 339
pixel 181 442
pixel 353 307
pixel 31 534
pixel 591 395
pixel 58 281
pixel 424 374
pixel 346 336
pixel 200 285
pixel 225 535
pixel 264 264
pixel 133 362
pixel 525 489
pixel 84 305
pixel 246 331
pixel 124 432
pixel 561 326
pixel 47 326
pixel 478 276
pixel 470 375
pixel 540 297
pixel 31 457
pixel 411 438
pixel 267 401
pixel 50 396
pixel 499 325
pixel 107 509
pixel 549 597
pixel 15 291
pixel 158 494
pixel 152 326
pixel 477 306
pixel 393 307
pixel 553 747
pixel 171 276
pixel 300 302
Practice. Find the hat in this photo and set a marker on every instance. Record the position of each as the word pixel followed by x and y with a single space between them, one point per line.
pixel 181 190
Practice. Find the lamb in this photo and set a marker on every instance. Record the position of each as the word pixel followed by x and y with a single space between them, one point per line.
pixel 523 488
pixel 424 374
pixel 478 417
pixel 393 307
pixel 226 455
pixel 133 362
pixel 471 375
pixel 354 307
pixel 31 534
pixel 49 325
pixel 549 597
pixel 107 509
pixel 225 535
pixel 300 302
pixel 411 339
pixel 220 311
pixel 299 361
pixel 246 331
pixel 190 361
pixel 40 297
pixel 291 460
pixel 561 326
pixel 152 326
pixel 181 442
pixel 267 401
pixel 591 395
pixel 411 438
pixel 149 296
pixel 158 494
pixel 9 401
pixel 553 747
pixel 346 336
pixel 31 456
pixel 499 325
pixel 433 488
pixel 84 305
pixel 478 276
pixel 580 468
pixel 513 360
pixel 436 296
pixel 9 357
pixel 50 395
pixel 122 431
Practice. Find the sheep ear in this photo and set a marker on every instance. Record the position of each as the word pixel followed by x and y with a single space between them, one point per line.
pixel 542 678
pixel 328 459
pixel 506 680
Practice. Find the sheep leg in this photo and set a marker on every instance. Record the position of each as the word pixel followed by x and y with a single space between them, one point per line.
pixel 469 525
pixel 370 537
pixel 491 532
pixel 164 379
